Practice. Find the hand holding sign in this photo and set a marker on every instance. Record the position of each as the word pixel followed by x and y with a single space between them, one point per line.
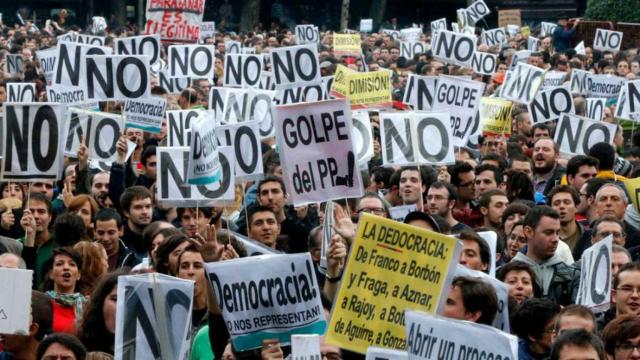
pixel 271 350
pixel 121 148
pixel 83 154
pixel 336 256
pixel 28 223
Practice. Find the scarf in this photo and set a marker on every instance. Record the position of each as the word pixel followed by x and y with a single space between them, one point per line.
pixel 75 300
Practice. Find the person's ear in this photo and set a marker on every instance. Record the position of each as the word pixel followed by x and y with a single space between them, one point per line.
pixel 528 231
pixel 473 316
pixel 121 231
pixel 33 329
pixel 452 204
pixel 484 211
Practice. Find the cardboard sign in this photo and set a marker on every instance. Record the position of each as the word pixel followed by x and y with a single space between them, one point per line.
pixel 305 92
pixel 484 63
pixel 175 21
pixel 576 135
pixel 523 83
pixel 172 186
pixel 145 114
pixel 238 105
pixel 595 108
pixel 454 48
pixel 32 141
pixel 532 43
pixel 553 79
pixel 547 28
pixel 307 34
pixel 207 30
pixel 440 24
pixel 347 44
pixel 411 49
pixel 21 92
pixel 204 162
pixel 362 136
pixel 116 77
pixel 501 320
pixel 419 92
pixel 427 334
pixel 295 64
pixel 507 17
pixel 605 86
pixel 494 37
pixel 15 304
pixel 595 276
pixel 461 99
pixel 232 47
pixel 370 90
pixel 14 64
pixel 477 11
pixel 495 115
pixel 579 81
pixel 317 153
pixel 263 304
pixel 391 267
pixel 47 59
pixel 551 104
pixel 153 317
pixel 195 61
pixel 411 138
pixel 366 25
pixel 140 45
pixel 378 353
pixel 244 139
pixel 394 34
pixel 100 131
pixel 174 86
pixel 305 347
pixel 607 40
pixel 242 70
pixel 521 56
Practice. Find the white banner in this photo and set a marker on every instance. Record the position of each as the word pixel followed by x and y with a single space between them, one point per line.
pixel 576 135
pixel 15 303
pixel 595 277
pixel 242 70
pixel 553 79
pixel 454 47
pixel 175 21
pixel 145 114
pixel 232 106
pixel 307 34
pixel 607 40
pixel 305 347
pixel 595 108
pixel 47 59
pixel 419 92
pixel 440 24
pixel 195 61
pixel 604 86
pixel 477 11
pixel 21 93
pixel 484 63
pixel 550 104
pixel 207 30
pixel 204 162
pixel 579 81
pixel 366 25
pixel 295 64
pixel 523 83
pixel 14 64
pixel 411 49
pixel 547 28
pixel 244 139
pixel 461 99
pixel 148 45
pixel 362 137
pixel 494 37
pixel 317 152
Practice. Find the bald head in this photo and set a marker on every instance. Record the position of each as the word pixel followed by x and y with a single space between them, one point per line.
pixel 13 261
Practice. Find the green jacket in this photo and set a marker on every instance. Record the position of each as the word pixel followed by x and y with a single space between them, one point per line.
pixel 37 257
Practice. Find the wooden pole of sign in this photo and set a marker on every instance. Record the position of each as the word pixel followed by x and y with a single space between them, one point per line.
pixel 28 193
pixel 197 217
pixel 246 212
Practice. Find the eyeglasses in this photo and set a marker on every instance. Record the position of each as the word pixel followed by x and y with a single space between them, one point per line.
pixel 629 290
pixel 627 347
pixel 374 211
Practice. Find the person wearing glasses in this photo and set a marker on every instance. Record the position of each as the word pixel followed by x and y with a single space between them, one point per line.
pixel 441 199
pixel 373 204
pixel 626 290
pixel 622 338
pixel 534 322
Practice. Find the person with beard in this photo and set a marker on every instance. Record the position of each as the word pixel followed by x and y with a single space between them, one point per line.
pixel 441 198
pixel 522 124
pixel 547 173
pixel 492 206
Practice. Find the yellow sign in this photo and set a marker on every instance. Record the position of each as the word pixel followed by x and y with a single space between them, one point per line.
pixel 369 90
pixel 339 85
pixel 633 189
pixel 347 44
pixel 525 31
pixel 392 267
pixel 495 115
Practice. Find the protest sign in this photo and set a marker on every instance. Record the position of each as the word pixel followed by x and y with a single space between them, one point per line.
pixel 477 10
pixel 463 19
pixel 15 303
pixel 244 138
pixel 339 86
pixel 523 85
pixel 362 134
pixel 47 59
pixel 411 138
pixel 547 28
pixel 595 108
pixel 266 82
pixel 116 77
pixel 607 40
pixel 21 92
pixel 420 91
pixel 550 104
pixel 317 152
pixel 461 99
pixel 327 234
pixel 232 47
pixel 633 96
pixel 411 34
pixel 100 131
pixel 454 48
pixel 69 36
pixel 398 213
pixel 604 86
pixel 295 64
pixel 204 162
pixel 90 39
pixel 248 50
pixel 172 186
pixel 242 70
pixel 579 81
pixel 347 44
pixel 440 24
pixel 33 135
pixel 633 189
pixel 196 61
pixel 494 37
pixel 501 320
pixel 576 135
pixel 622 105
pixel 428 336
pixel 553 79
pixel 366 25
pixel 307 34
pixel 369 90
pixel 532 43
pixel 145 114
pixel 509 17
pixel 394 34
pixel 484 63
pixel 305 347
pixel 98 24
pixel 175 21
pixel 237 105
pixel 14 64
pixel 595 276
pixel 411 49
pixel 140 45
pixel 262 304
pixel 580 49
pixel 174 86
pixel 521 56
pixel 513 30
pixel 495 115
pixel 304 92
pixel 492 240
pixel 207 30
pixel 153 317
pixel 391 267
pixel 378 353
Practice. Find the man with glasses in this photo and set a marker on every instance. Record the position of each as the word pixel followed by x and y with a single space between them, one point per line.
pixel 466 210
pixel 626 290
pixel 534 322
pixel 622 338
pixel 373 204
pixel 441 199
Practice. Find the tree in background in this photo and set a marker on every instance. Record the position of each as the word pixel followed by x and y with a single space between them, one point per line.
pixel 613 10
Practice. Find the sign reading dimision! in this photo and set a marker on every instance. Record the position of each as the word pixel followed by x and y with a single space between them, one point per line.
pixel 175 20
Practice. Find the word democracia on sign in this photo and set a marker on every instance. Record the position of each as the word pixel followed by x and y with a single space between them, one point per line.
pixel 145 109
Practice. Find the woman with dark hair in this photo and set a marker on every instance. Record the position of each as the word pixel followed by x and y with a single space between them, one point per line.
pixel 98 327
pixel 154 234
pixel 62 284
pixel 520 279
pixel 169 251
pixel 94 264
pixel 519 186
pixel 61 346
